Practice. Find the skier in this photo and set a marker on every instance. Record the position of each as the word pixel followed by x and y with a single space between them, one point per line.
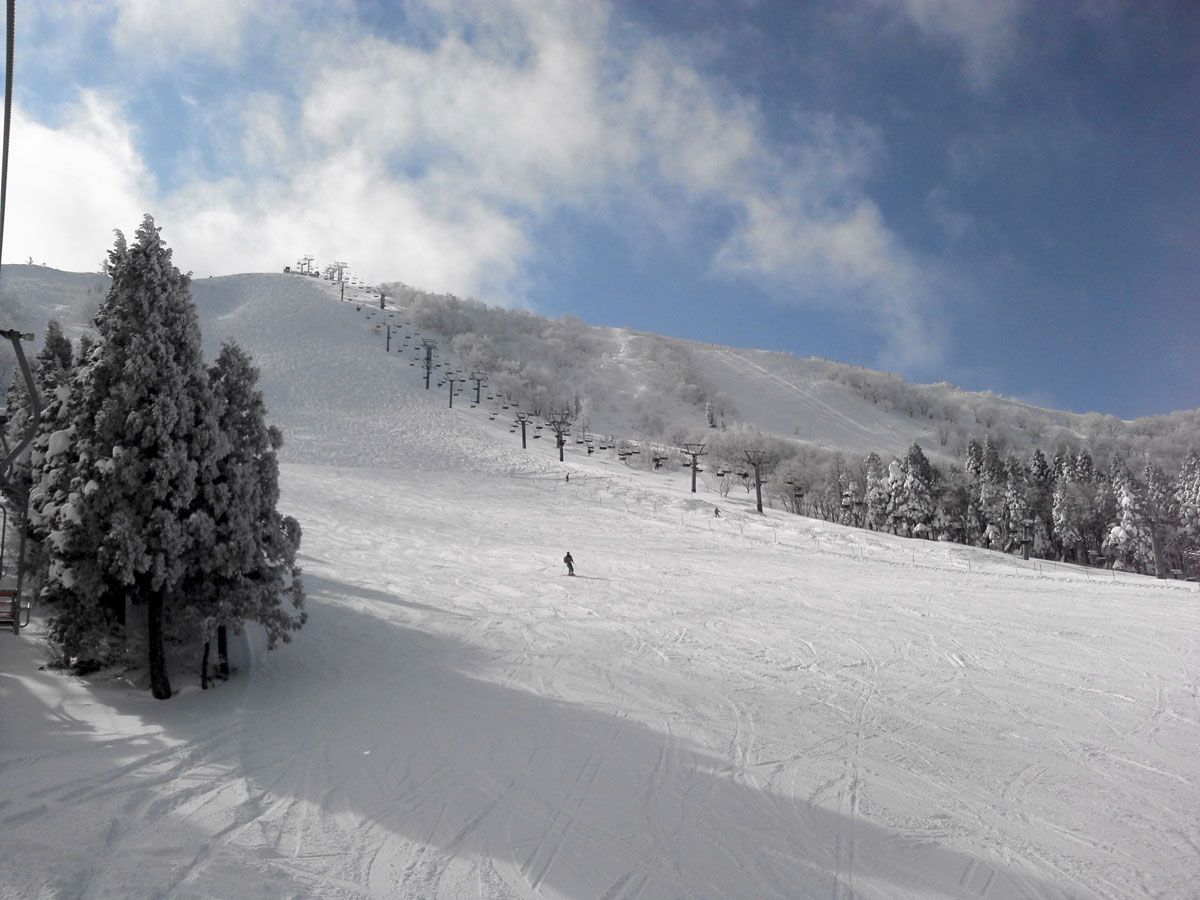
pixel 570 563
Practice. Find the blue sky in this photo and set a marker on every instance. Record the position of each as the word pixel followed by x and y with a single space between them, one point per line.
pixel 999 193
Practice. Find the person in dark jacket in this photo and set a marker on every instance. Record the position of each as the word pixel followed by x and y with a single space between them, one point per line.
pixel 570 563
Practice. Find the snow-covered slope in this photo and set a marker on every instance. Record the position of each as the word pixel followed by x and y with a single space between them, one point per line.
pixel 737 707
pixel 778 393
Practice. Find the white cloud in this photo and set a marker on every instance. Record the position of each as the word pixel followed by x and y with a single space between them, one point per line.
pixel 70 186
pixel 435 162
pixel 212 28
pixel 985 31
pixel 845 260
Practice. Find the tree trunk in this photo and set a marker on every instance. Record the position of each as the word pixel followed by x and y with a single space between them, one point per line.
pixel 223 652
pixel 160 686
pixel 204 666
pixel 1160 565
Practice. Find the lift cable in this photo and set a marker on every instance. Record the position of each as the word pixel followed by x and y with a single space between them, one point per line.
pixel 8 82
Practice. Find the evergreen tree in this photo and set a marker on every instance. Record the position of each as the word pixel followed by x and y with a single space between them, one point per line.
pixel 53 370
pixel 145 436
pixel 974 519
pixel 245 567
pixel 1039 499
pixel 876 492
pixel 919 492
pixel 1016 504
pixel 1127 541
pixel 953 505
pixel 974 463
pixel 1074 494
pixel 1187 506
pixel 1161 515
pixel 993 484
pixel 897 507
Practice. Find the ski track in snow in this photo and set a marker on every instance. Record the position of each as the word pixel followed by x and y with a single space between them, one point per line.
pixel 749 707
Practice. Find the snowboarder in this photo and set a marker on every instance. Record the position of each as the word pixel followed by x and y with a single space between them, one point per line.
pixel 570 563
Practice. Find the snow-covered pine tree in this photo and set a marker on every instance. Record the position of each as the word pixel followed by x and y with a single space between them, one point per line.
pixel 1162 516
pixel 993 483
pixel 144 432
pixel 1039 499
pixel 953 506
pixel 896 516
pixel 1016 504
pixel 1072 499
pixel 52 373
pixel 1127 541
pixel 1187 505
pixel 919 492
pixel 18 412
pixel 247 568
pixel 877 493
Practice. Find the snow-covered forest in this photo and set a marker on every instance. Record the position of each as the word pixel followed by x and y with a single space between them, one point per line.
pixel 980 470
pixel 785 704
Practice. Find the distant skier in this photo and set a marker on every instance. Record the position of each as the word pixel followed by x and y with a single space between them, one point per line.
pixel 570 563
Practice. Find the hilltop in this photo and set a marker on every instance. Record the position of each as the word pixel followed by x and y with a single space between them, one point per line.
pixel 623 383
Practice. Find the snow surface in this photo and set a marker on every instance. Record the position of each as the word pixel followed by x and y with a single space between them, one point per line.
pixel 737 707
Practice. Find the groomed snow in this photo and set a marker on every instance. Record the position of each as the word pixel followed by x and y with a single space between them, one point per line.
pixel 737 707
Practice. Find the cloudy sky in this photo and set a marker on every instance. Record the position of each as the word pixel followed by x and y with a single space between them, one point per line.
pixel 999 193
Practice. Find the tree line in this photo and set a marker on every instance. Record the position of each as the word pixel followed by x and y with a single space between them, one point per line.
pixel 152 484
pixel 1085 487
pixel 1134 517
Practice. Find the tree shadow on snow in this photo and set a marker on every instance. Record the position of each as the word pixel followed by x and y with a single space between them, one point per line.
pixel 398 760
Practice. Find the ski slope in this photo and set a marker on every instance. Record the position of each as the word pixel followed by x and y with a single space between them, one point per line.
pixel 737 707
